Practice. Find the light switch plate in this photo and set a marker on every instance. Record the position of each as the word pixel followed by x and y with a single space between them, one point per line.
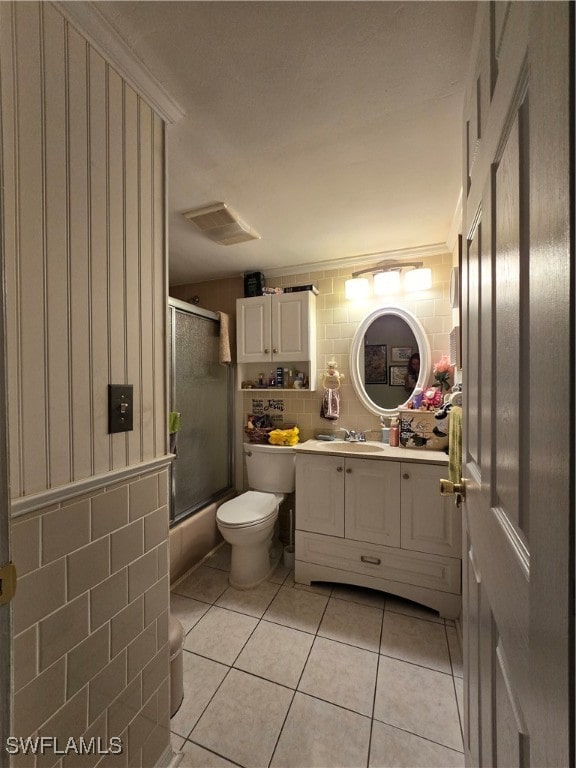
pixel 120 407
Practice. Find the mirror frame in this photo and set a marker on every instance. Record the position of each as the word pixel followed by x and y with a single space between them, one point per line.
pixel 358 341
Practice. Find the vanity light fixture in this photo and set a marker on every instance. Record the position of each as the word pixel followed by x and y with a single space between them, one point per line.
pixel 387 279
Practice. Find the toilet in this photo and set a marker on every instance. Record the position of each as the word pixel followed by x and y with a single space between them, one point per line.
pixel 248 521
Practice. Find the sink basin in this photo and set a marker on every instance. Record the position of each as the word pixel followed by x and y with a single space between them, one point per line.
pixel 354 447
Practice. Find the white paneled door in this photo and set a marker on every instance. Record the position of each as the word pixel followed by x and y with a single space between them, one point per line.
pixel 518 376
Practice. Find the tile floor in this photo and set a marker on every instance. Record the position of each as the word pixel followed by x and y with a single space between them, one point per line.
pixel 290 676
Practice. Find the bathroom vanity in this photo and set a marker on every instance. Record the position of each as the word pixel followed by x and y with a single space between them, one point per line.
pixel 372 515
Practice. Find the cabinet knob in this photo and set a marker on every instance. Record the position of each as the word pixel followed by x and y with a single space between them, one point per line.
pixel 349 471
pixel 275 351
pixel 406 476
pixel 266 351
pixel 338 469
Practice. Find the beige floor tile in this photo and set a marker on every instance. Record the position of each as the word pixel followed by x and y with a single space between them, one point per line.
pixel 320 735
pixel 204 584
pixel 419 700
pixel 176 742
pixel 220 558
pixel 459 685
pixel 455 651
pixel 195 756
pixel 408 608
pixel 362 595
pixel 188 610
pixel 297 609
pixel 318 587
pixel 415 640
pixel 276 653
pixel 341 674
pixel 392 748
pixel 220 634
pixel 253 601
pixel 244 719
pixel 201 679
pixel 280 574
pixel 352 623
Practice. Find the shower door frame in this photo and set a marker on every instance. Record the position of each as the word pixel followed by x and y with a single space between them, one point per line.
pixel 175 305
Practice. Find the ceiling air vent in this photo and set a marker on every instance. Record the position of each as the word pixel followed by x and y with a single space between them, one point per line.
pixel 221 224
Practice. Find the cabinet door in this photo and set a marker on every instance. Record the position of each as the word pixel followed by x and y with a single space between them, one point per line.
pixel 430 522
pixel 253 330
pixel 372 501
pixel 320 494
pixel 291 326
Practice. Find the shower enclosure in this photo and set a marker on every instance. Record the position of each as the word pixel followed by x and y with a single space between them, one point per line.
pixel 201 390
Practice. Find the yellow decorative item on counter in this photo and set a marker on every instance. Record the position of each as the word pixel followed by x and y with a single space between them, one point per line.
pixel 284 436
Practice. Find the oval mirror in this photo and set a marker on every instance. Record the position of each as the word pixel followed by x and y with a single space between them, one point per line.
pixel 389 358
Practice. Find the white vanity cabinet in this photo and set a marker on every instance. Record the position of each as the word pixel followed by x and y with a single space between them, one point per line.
pixel 378 523
pixel 277 328
pixel 347 497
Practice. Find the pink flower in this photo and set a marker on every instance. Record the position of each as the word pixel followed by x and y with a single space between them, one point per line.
pixel 442 370
pixel 443 365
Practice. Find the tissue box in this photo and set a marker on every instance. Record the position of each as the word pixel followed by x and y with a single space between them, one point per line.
pixel 423 429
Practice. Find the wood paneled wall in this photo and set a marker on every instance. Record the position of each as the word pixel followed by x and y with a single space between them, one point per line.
pixel 83 180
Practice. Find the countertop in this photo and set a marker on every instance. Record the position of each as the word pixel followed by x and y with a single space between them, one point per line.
pixel 379 451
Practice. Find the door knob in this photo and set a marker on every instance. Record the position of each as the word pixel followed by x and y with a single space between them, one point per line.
pixel 338 469
pixel 448 488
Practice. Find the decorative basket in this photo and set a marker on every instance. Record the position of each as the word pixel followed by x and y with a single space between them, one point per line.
pixel 423 429
pixel 258 434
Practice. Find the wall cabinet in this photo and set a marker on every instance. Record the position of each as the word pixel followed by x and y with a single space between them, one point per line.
pixel 276 329
pixel 381 524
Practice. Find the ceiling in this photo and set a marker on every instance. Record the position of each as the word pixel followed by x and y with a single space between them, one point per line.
pixel 332 128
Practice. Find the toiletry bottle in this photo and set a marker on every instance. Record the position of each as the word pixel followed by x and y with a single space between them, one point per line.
pixel 417 398
pixel 272 379
pixel 394 434
pixel 286 379
pixel 279 377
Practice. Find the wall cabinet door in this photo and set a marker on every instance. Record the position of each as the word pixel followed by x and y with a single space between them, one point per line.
pixel 291 326
pixel 372 501
pixel 254 330
pixel 430 522
pixel 279 328
pixel 320 494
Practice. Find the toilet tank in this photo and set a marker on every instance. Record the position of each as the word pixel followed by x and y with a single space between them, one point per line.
pixel 270 468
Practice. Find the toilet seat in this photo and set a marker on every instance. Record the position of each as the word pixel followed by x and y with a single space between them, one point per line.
pixel 248 509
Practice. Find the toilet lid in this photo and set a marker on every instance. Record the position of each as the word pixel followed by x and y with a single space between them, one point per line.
pixel 248 508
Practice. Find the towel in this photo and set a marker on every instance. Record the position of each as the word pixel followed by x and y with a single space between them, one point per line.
pixel 330 408
pixel 173 427
pixel 173 422
pixel 455 445
pixel 224 351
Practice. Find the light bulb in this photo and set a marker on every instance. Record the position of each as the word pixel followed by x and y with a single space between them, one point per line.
pixel 418 279
pixel 386 282
pixel 357 288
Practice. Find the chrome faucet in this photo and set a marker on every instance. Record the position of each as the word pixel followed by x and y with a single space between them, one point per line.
pixel 352 436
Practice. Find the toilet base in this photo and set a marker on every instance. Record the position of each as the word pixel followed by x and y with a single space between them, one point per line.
pixel 250 566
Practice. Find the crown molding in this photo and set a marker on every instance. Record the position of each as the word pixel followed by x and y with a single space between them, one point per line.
pixel 420 252
pixel 93 25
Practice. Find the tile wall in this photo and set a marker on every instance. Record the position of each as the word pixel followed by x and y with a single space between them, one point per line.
pixel 91 653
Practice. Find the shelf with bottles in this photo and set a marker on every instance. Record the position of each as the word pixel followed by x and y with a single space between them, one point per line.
pixel 253 377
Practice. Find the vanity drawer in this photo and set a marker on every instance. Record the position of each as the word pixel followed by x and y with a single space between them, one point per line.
pixel 407 567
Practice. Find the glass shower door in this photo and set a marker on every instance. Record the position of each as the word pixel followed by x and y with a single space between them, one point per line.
pixel 202 393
